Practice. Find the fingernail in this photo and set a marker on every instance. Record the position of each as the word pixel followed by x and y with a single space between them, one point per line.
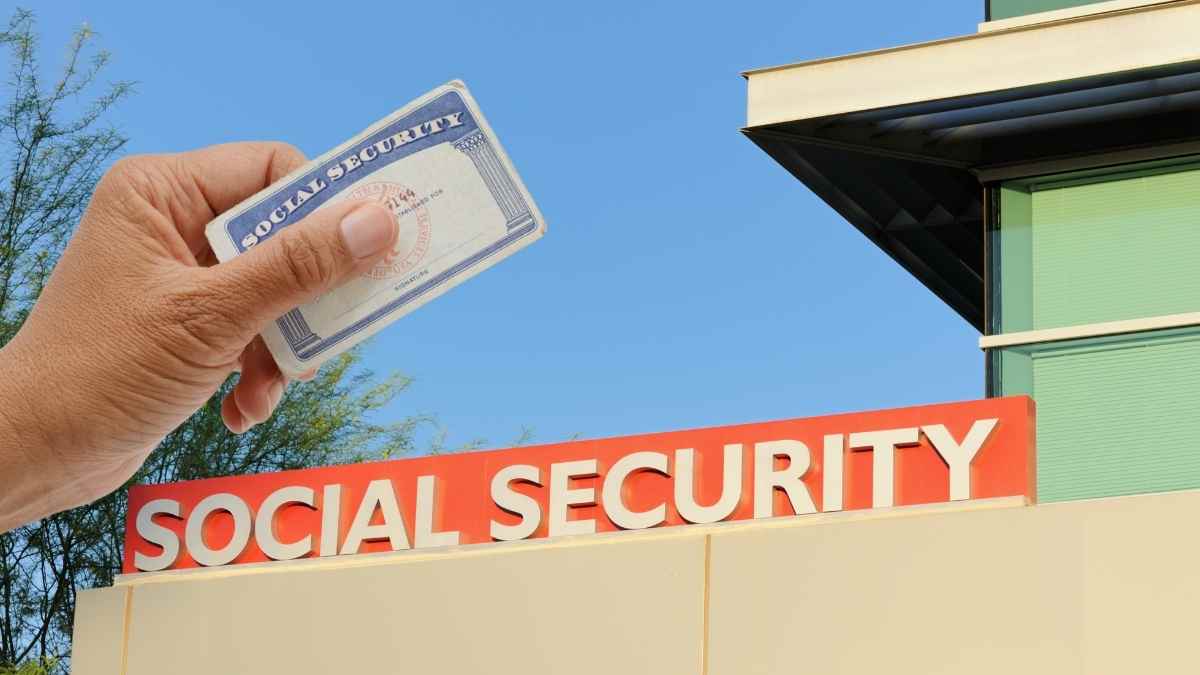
pixel 275 393
pixel 307 376
pixel 367 230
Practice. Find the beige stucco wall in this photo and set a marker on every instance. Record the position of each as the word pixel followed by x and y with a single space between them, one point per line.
pixel 1105 586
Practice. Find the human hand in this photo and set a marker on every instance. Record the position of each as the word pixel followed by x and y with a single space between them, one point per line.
pixel 138 325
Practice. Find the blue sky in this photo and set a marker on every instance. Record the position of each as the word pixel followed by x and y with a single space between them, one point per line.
pixel 686 279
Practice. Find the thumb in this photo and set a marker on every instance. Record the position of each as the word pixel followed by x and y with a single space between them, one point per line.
pixel 303 261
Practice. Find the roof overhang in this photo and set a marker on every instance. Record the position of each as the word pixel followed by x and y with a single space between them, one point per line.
pixel 899 141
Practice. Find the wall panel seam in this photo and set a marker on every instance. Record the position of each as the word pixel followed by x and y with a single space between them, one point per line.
pixel 706 590
pixel 127 621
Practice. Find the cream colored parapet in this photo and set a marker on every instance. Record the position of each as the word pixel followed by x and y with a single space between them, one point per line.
pixel 623 602
pixel 1097 587
pixel 1080 46
pixel 1102 587
pixel 98 644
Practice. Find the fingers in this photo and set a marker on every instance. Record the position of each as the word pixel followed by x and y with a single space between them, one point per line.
pixel 214 179
pixel 301 262
pixel 229 173
pixel 232 417
pixel 257 392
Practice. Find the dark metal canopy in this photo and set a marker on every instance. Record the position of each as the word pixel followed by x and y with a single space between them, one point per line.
pixel 909 176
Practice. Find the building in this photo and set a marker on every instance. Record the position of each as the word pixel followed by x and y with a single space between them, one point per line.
pixel 1041 177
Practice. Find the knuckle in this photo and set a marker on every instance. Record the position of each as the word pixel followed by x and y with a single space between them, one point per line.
pixel 129 184
pixel 129 172
pixel 305 262
pixel 285 158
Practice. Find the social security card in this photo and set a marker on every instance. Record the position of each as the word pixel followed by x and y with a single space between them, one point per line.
pixel 460 204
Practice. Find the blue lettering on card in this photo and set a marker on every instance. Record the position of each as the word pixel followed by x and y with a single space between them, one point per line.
pixel 445 119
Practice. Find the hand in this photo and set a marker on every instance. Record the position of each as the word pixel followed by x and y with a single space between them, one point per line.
pixel 138 325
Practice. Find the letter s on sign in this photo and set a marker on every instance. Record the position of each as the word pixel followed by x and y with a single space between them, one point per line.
pixel 157 534
pixel 514 502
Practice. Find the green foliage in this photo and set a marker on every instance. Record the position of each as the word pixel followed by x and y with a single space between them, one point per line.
pixel 51 160
pixel 317 423
pixel 32 667
pixel 53 148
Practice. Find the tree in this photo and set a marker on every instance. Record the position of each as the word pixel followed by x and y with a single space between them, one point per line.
pixel 54 146
pixel 35 667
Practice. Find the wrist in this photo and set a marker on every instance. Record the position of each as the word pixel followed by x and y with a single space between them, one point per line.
pixel 31 474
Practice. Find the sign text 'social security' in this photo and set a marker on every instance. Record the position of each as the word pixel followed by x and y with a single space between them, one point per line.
pixel 926 454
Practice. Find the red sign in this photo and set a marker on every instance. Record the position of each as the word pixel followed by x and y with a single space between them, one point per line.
pixel 919 455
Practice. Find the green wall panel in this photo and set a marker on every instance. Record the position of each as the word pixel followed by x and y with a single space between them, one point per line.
pixel 1004 9
pixel 1116 419
pixel 1117 415
pixel 1112 250
pixel 1015 370
pixel 1014 251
